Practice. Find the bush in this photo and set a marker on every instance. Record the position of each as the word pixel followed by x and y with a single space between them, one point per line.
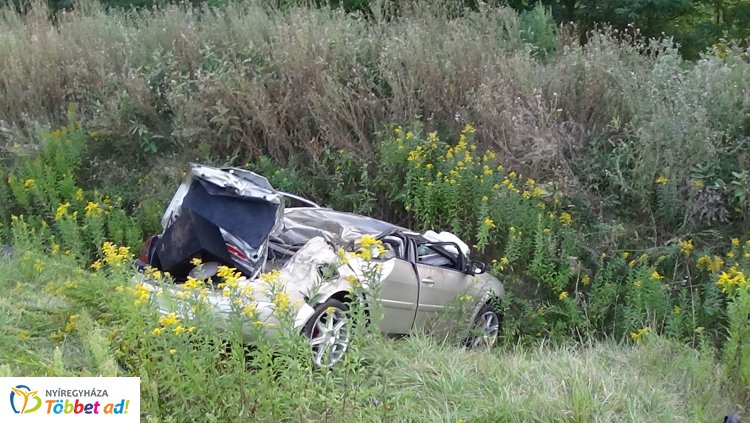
pixel 43 197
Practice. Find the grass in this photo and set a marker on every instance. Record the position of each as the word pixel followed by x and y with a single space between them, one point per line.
pixel 418 378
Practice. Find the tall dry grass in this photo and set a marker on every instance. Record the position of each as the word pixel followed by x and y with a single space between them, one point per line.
pixel 603 120
pixel 275 82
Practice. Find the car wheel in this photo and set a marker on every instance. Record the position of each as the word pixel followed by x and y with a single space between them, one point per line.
pixel 486 327
pixel 329 330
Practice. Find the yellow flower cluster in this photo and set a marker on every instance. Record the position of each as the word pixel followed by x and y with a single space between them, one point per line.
pixel 62 211
pixel 114 255
pixel 566 218
pixel 640 333
pixel 153 273
pixel 281 302
pixel 368 243
pixel 169 319
pixel 661 180
pixel 271 278
pixel 71 323
pixel 710 264
pixel 171 322
pixel 141 293
pixel 229 276
pixel 353 281
pixel 92 209
pixel 686 247
pixel 585 280
pixel 733 277
pixel 192 283
pixel 249 310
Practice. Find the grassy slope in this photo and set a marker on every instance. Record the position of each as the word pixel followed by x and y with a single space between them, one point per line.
pixel 419 378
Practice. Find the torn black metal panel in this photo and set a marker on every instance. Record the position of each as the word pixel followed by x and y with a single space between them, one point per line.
pixel 249 219
pixel 189 236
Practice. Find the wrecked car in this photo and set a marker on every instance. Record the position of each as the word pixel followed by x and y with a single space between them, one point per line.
pixel 234 217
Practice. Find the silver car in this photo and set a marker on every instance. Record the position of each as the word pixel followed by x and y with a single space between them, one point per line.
pixel 233 217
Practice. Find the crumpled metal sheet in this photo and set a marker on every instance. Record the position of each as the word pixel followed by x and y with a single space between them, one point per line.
pixel 233 181
pixel 301 224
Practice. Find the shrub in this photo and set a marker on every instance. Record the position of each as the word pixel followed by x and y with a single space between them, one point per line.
pixel 43 195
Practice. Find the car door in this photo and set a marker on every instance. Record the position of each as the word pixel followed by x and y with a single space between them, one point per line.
pixel 399 288
pixel 440 268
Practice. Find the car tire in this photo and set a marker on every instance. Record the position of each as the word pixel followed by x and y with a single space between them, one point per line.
pixel 329 332
pixel 485 328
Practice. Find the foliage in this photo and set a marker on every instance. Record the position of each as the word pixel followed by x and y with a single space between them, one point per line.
pixel 635 159
pixel 43 198
pixel 62 320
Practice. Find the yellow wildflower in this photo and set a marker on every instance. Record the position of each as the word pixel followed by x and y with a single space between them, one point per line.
pixel 686 247
pixel 61 211
pixel 169 319
pixel 178 330
pixel 156 331
pixel 281 302
pixel 655 276
pixel 92 209
pixel 637 335
pixel 585 280
pixel 353 281
pixel 563 295
pixel 249 310
pixel 677 310
pixel 661 180
pixel 732 277
pixel 368 241
pixel 192 283
pixel 566 218
pixel 71 324
pixel 716 264
pixel 488 222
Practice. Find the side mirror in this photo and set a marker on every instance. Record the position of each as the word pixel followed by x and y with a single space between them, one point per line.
pixel 476 268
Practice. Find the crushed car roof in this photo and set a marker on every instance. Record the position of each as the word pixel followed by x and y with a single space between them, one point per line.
pixel 300 224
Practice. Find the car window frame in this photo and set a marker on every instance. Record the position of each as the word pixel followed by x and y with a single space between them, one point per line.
pixel 458 262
